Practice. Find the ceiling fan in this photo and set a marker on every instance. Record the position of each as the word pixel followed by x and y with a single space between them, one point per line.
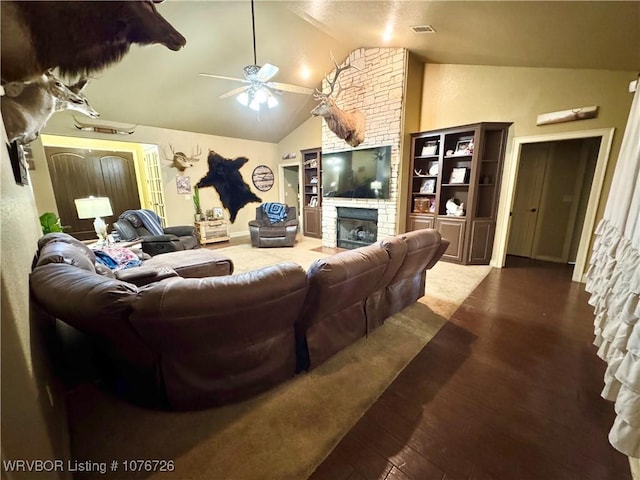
pixel 258 88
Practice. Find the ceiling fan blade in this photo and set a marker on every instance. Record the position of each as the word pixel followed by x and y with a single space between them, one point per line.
pixel 224 78
pixel 266 72
pixel 287 87
pixel 235 91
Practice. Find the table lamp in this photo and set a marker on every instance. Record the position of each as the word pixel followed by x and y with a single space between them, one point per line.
pixel 95 207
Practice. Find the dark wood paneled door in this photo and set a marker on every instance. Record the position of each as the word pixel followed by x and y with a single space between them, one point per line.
pixel 78 173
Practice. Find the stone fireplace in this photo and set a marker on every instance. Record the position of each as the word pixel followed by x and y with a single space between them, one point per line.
pixel 377 90
pixel 356 227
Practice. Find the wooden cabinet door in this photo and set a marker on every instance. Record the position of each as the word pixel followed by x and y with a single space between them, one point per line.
pixel 481 242
pixel 419 222
pixel 312 222
pixel 453 230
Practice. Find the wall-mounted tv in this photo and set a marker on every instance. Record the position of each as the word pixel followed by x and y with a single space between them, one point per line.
pixel 363 173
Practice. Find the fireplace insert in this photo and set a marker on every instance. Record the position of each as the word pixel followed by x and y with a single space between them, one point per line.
pixel 356 227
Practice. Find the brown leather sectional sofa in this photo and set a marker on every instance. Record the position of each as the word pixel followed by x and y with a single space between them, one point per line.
pixel 190 343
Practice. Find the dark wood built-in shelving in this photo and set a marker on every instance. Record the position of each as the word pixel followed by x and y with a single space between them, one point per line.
pixel 477 186
pixel 312 202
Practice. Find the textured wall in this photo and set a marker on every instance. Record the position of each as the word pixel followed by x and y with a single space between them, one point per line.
pixel 33 411
pixel 461 94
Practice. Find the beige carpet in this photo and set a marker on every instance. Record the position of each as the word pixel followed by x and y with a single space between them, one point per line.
pixel 286 432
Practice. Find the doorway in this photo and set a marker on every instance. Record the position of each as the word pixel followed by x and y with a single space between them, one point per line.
pixel 290 185
pixel 78 173
pixel 551 194
pixel 507 191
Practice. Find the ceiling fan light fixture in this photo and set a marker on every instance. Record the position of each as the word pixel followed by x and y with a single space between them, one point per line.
pixel 261 95
pixel 259 88
pixel 243 99
pixel 254 104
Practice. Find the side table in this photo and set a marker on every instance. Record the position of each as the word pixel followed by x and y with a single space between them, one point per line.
pixel 212 231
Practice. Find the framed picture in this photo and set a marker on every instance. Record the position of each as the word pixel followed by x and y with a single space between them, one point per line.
pixel 218 214
pixel 430 148
pixel 459 175
pixel 464 146
pixel 183 184
pixel 432 205
pixel 428 185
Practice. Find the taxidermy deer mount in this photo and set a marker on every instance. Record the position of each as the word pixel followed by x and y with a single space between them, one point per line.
pixel 79 38
pixel 26 107
pixel 181 161
pixel 349 126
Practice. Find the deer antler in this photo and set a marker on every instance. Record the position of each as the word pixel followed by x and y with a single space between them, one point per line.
pixel 194 157
pixel 332 83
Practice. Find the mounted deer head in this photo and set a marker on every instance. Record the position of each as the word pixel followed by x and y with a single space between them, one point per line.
pixel 79 37
pixel 26 113
pixel 349 126
pixel 181 161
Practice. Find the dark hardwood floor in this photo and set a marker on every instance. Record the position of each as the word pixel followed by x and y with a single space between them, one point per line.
pixel 509 389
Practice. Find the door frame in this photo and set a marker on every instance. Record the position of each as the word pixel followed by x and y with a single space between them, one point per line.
pixel 281 181
pixel 507 194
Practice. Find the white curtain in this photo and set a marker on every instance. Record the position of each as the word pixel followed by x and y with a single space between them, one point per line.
pixel 613 280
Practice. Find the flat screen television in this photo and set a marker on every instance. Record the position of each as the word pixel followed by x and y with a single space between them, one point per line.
pixel 363 173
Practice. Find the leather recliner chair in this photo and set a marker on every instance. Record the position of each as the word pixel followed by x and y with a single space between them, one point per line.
pixel 280 234
pixel 130 226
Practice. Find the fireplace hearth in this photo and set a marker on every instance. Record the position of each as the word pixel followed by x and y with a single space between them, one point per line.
pixel 356 227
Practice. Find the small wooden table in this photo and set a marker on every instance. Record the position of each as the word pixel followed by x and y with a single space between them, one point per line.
pixel 212 231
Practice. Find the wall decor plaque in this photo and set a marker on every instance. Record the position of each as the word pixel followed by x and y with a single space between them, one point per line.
pixel 262 178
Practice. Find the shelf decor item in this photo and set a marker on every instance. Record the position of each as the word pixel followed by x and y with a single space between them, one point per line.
pixel 431 148
pixel 434 169
pixel 464 146
pixel 428 185
pixel 459 175
pixel 455 208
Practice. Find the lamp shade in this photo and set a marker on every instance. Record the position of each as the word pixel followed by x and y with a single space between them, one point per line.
pixel 93 207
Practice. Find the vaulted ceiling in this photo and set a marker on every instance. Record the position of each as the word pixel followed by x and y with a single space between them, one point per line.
pixel 157 87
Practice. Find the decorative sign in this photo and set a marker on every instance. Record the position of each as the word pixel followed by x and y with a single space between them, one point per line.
pixel 262 178
pixel 580 113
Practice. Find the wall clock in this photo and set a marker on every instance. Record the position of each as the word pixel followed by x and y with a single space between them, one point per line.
pixel 262 178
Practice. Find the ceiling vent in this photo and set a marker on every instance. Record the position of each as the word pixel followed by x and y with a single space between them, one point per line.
pixel 423 29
